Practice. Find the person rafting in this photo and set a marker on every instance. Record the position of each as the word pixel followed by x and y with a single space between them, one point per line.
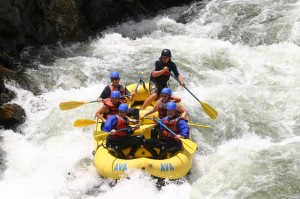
pixel 160 106
pixel 160 76
pixel 167 142
pixel 114 85
pixel 120 131
pixel 110 106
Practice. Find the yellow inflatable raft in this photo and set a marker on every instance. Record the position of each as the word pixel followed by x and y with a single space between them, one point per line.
pixel 108 166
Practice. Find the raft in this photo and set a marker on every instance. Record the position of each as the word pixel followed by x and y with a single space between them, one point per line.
pixel 175 166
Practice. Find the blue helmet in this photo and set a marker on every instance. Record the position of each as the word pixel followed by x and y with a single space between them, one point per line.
pixel 171 106
pixel 115 74
pixel 116 94
pixel 123 107
pixel 166 91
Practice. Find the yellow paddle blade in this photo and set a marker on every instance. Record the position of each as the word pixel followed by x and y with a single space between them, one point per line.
pixel 99 135
pixel 71 105
pixel 199 125
pixel 84 122
pixel 189 145
pixel 210 111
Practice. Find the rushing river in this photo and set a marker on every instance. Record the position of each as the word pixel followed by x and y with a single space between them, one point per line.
pixel 241 57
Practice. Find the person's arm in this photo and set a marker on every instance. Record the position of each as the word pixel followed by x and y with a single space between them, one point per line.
pixel 110 123
pixel 128 93
pixel 153 110
pixel 183 129
pixel 184 112
pixel 101 111
pixel 177 75
pixel 158 72
pixel 181 80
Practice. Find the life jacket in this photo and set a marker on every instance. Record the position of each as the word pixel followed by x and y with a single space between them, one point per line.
pixel 120 88
pixel 122 123
pixel 162 112
pixel 172 125
pixel 113 109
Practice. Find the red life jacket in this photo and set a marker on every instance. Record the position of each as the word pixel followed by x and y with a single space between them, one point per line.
pixel 113 109
pixel 162 112
pixel 172 125
pixel 122 123
pixel 120 88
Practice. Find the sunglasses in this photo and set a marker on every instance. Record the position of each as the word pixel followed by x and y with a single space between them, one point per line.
pixel 122 112
pixel 162 95
pixel 113 79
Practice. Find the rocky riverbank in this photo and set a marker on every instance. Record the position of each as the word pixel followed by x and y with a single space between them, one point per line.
pixel 42 22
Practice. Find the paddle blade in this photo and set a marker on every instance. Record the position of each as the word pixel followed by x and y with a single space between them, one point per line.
pixel 199 125
pixel 210 111
pixel 100 135
pixel 71 105
pixel 189 146
pixel 84 122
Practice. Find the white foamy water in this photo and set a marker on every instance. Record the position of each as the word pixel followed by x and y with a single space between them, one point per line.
pixel 240 57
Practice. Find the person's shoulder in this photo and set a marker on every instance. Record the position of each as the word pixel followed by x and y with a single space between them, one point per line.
pixel 172 63
pixel 112 117
pixel 158 62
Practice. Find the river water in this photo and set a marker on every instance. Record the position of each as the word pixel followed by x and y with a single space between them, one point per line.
pixel 241 57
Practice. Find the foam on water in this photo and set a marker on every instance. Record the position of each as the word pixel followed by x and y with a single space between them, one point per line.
pixel 251 151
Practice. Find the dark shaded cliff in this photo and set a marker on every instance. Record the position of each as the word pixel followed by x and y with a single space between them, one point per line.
pixel 42 22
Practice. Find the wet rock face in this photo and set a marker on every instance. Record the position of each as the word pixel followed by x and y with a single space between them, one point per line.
pixel 41 22
pixel 11 115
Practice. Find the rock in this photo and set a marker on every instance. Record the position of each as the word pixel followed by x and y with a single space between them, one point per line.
pixel 11 115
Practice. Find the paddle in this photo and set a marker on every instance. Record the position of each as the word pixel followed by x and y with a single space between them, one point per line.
pixel 84 122
pixel 190 124
pixel 199 125
pixel 140 79
pixel 210 111
pixel 101 135
pixel 137 84
pixel 74 104
pixel 188 144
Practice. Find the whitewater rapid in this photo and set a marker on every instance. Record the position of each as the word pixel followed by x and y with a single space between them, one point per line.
pixel 241 57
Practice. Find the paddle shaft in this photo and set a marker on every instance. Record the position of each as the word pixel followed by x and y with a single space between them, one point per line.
pixel 188 144
pixel 190 124
pixel 137 84
pixel 185 87
pixel 165 127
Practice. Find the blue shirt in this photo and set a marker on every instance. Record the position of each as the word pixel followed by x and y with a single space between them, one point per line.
pixel 182 126
pixel 111 123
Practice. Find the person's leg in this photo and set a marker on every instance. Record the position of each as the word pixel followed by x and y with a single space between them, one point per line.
pixel 136 143
pixel 119 152
pixel 149 145
pixel 169 146
pixel 153 90
pixel 148 101
pixel 154 134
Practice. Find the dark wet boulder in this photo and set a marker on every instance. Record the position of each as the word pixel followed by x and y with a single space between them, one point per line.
pixel 11 115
